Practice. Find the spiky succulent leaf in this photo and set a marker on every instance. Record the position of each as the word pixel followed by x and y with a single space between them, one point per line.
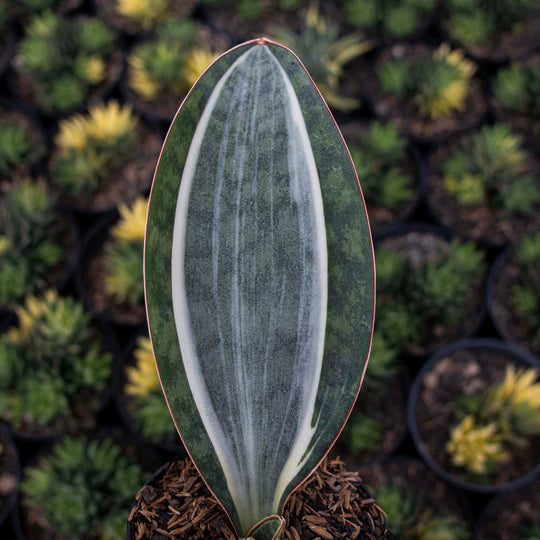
pixel 254 205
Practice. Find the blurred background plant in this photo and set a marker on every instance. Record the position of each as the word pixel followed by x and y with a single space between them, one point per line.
pixel 83 487
pixel 30 244
pixel 364 430
pixel 144 13
pixel 525 293
pixel 438 86
pixel 324 54
pixel 474 22
pixel 491 166
pixel 62 59
pixel 415 301
pixel 407 520
pixel 146 405
pixel 90 147
pixel 16 149
pixel 381 161
pixel 506 415
pixel 394 19
pixel 163 68
pixel 124 255
pixel 48 364
pixel 517 87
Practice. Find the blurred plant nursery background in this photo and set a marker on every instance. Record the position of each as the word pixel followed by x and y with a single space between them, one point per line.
pixel 439 103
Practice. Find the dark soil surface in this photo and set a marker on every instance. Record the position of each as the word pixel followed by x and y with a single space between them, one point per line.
pixel 387 408
pixel 421 247
pixel 487 223
pixel 125 184
pixel 514 327
pixel 404 112
pixel 333 503
pixel 465 372
pixel 380 217
pixel 414 477
pixel 509 516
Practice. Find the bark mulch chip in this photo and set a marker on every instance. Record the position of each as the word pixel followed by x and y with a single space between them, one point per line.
pixel 333 503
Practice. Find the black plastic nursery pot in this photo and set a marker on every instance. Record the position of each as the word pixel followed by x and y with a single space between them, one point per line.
pixel 504 273
pixel 476 309
pixel 198 515
pixel 10 472
pixel 509 515
pixel 130 528
pixel 89 280
pixel 171 449
pixel 508 353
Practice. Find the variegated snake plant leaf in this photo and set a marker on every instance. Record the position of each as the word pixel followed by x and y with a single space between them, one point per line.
pixel 259 280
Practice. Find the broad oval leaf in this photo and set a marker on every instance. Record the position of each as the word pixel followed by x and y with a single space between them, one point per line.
pixel 259 280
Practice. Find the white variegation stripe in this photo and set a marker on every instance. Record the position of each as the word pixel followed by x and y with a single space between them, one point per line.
pixel 239 450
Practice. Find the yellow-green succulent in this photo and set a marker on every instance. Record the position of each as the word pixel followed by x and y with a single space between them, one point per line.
pixel 196 63
pixel 150 412
pixel 142 378
pixel 438 85
pixel 145 13
pixel 505 415
pixel 132 223
pixel 492 167
pixel 325 54
pixel 474 447
pixel 124 254
pixel 447 90
pixel 90 146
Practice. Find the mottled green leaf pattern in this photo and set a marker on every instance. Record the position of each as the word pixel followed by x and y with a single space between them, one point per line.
pixel 259 278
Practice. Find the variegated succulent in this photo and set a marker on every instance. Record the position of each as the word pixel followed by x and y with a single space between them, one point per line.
pixel 259 280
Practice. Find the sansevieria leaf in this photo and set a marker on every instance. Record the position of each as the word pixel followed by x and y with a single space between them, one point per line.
pixel 259 280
